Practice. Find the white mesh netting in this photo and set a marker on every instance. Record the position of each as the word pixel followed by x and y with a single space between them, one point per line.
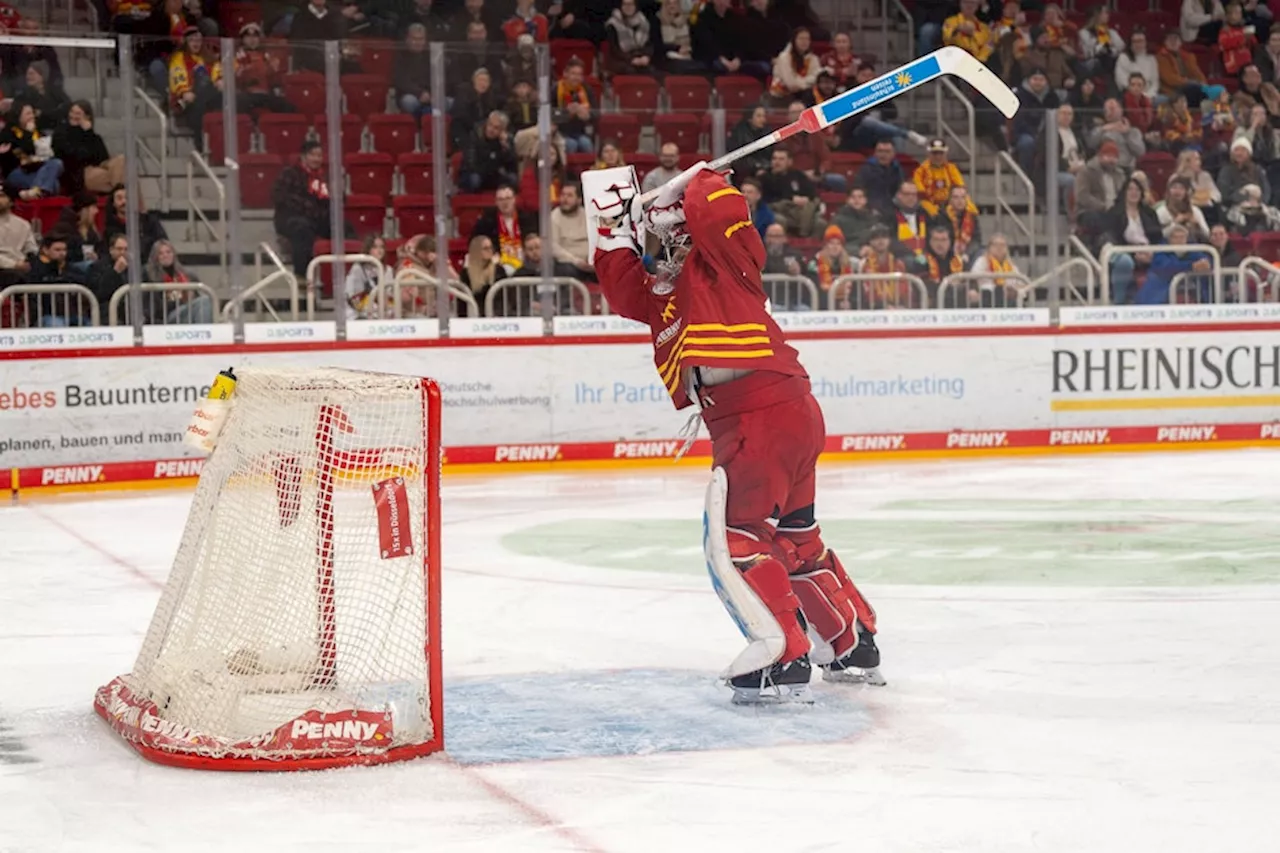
pixel 294 624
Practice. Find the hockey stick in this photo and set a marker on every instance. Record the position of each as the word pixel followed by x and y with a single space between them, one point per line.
pixel 951 61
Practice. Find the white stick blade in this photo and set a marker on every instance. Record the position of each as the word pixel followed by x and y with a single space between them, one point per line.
pixel 958 63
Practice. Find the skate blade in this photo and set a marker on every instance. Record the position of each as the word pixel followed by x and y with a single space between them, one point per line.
pixel 870 675
pixel 787 694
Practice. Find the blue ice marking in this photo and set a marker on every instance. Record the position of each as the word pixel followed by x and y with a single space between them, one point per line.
pixel 542 716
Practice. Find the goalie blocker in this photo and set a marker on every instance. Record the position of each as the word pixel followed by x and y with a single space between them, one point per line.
pixel 716 345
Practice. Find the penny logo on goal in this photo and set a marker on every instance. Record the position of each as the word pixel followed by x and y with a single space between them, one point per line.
pixel 395 533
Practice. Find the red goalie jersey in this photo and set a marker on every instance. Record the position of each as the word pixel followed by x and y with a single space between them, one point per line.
pixel 716 315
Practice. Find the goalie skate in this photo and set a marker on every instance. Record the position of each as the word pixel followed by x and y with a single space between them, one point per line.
pixel 860 666
pixel 780 684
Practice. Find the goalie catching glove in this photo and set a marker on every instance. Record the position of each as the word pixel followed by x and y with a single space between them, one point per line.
pixel 612 198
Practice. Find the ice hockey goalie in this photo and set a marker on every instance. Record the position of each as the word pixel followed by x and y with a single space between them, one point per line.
pixel 716 346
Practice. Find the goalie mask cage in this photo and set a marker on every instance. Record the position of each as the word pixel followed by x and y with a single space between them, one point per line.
pixel 300 625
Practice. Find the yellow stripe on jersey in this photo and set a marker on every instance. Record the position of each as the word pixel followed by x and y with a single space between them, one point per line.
pixel 762 339
pixel 721 327
pixel 675 351
pixel 721 193
pixel 736 227
pixel 755 353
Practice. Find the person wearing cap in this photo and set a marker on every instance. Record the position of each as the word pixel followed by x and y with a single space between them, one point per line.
pixel 195 87
pixel 935 177
pixel 1118 129
pixel 1241 171
pixel 1053 58
pixel 1180 71
pixel 967 32
pixel 259 77
pixel 1035 96
pixel 877 257
pixel 1098 185
pixel 831 261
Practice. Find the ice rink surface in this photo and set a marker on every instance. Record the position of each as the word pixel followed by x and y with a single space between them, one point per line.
pixel 1081 651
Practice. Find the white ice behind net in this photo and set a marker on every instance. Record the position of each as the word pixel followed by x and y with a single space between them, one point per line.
pixel 250 633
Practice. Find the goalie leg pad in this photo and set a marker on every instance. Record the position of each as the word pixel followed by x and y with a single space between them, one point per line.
pixel 753 585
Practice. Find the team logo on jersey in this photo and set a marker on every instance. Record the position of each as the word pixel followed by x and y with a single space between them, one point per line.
pixel 669 310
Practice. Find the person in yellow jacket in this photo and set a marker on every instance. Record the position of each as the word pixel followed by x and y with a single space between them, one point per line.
pixel 195 86
pixel 965 31
pixel 935 177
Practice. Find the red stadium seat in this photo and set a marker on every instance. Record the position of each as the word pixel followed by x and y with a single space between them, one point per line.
pixel 42 213
pixel 378 57
pixel 414 214
pixel 562 50
pixel 419 173
pixel 635 92
pixel 352 132
pixel 305 90
pixel 684 129
pixel 619 128
pixel 365 94
pixel 689 158
pixel 367 214
pixel 234 14
pixel 370 173
pixel 1266 245
pixel 467 208
pixel 687 93
pixel 283 133
pixel 428 122
pixel 214 141
pixel 393 134
pixel 578 163
pixel 846 163
pixel 738 92
pixel 1158 166
pixel 324 273
pixel 644 163
pixel 258 173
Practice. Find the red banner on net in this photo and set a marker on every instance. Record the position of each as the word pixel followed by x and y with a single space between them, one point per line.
pixel 956 442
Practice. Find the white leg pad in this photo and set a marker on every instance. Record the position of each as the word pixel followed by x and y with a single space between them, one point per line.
pixel 765 641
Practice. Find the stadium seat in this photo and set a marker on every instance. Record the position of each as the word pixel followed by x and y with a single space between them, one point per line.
pixel 636 92
pixel 428 138
pixel 689 158
pixel 369 173
pixel 365 94
pixel 352 132
pixel 393 134
pixel 258 174
pixel 684 129
pixel 644 163
pixel 1158 166
pixel 622 129
pixel 738 93
pixel 42 213
pixel 846 163
pixel 234 14
pixel 562 50
pixel 686 92
pixel 418 173
pixel 414 214
pixel 215 143
pixel 578 163
pixel 366 214
pixel 378 57
pixel 324 273
pixel 1266 245
pixel 305 90
pixel 283 133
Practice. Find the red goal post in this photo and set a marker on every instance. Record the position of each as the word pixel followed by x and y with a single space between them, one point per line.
pixel 300 626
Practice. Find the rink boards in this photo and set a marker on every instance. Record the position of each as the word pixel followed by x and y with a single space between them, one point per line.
pixel 84 407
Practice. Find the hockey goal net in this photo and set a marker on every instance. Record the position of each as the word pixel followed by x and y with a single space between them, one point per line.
pixel 300 626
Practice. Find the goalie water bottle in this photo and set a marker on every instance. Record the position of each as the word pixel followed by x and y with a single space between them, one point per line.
pixel 211 414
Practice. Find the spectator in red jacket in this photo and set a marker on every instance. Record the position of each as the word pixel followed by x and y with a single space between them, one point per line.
pixel 526 19
pixel 1236 40
pixel 1139 109
pixel 259 77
